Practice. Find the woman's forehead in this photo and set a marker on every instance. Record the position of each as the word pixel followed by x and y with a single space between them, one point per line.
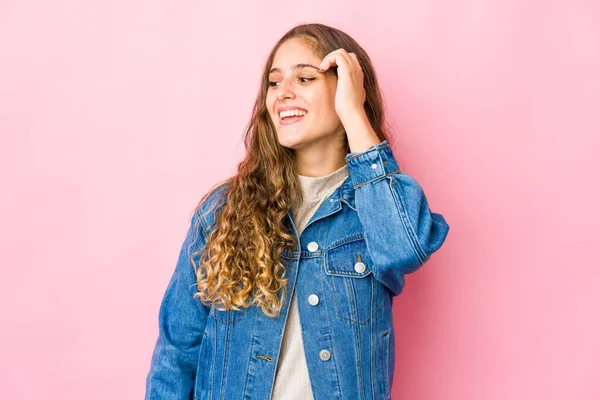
pixel 293 52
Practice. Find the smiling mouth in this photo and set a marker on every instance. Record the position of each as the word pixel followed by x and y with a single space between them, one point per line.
pixel 291 119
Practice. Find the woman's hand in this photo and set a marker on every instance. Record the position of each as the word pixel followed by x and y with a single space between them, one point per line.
pixel 350 94
pixel 350 97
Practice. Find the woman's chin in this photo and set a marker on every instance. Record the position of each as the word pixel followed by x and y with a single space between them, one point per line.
pixel 290 140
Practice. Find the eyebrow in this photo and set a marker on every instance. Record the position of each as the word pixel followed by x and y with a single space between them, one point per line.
pixel 297 66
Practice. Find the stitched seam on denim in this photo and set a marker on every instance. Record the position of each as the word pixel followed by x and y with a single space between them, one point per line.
pixel 350 238
pixel 351 296
pixel 347 274
pixel 406 223
pixel 196 233
pixel 200 374
pixel 376 179
pixel 251 352
pixel 228 316
pixel 311 254
pixel 358 322
pixel 373 354
pixel 356 332
pixel 414 237
pixel 228 329
pixel 337 378
pixel 211 377
pixel 368 151
pixel 335 300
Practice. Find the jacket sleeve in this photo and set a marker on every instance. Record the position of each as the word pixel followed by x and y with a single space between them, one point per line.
pixel 181 322
pixel 401 232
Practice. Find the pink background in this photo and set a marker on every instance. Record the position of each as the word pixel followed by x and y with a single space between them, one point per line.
pixel 116 116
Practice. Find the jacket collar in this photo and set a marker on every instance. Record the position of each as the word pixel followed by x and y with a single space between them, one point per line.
pixel 333 203
pixel 346 192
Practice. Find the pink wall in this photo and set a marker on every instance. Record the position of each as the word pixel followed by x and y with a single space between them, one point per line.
pixel 117 116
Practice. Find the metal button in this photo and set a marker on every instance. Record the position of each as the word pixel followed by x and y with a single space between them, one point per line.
pixel 313 246
pixel 324 355
pixel 360 267
pixel 313 299
pixel 374 166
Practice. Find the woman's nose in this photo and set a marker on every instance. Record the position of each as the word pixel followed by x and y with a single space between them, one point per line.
pixel 285 90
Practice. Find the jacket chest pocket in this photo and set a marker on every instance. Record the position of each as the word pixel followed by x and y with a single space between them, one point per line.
pixel 356 293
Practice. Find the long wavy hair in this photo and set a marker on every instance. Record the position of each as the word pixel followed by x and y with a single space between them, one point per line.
pixel 241 263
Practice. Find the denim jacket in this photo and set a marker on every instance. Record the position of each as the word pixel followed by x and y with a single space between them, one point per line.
pixel 349 264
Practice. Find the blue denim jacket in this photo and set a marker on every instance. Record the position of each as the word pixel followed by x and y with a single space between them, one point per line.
pixel 349 264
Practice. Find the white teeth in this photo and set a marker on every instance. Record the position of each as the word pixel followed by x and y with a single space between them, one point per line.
pixel 291 113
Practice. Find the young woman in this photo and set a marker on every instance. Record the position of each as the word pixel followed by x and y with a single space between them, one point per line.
pixel 284 284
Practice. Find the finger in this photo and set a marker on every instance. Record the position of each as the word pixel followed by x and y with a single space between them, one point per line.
pixel 337 57
pixel 353 66
pixel 359 70
pixel 329 60
pixel 355 61
pixel 356 64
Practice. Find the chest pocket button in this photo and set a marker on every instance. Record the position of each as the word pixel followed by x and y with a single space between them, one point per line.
pixel 360 267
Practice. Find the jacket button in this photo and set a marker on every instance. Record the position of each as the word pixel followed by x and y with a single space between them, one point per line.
pixel 313 246
pixel 313 299
pixel 324 355
pixel 360 267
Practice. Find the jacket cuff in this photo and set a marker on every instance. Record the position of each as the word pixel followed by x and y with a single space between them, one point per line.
pixel 371 165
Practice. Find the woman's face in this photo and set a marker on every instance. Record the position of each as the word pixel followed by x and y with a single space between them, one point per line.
pixel 296 84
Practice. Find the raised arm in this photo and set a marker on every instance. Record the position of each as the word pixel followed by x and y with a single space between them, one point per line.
pixel 401 232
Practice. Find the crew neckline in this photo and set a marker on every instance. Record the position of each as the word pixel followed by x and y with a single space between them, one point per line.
pixel 316 187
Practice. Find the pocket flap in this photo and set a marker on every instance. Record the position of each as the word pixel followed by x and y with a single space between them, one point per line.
pixel 350 259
